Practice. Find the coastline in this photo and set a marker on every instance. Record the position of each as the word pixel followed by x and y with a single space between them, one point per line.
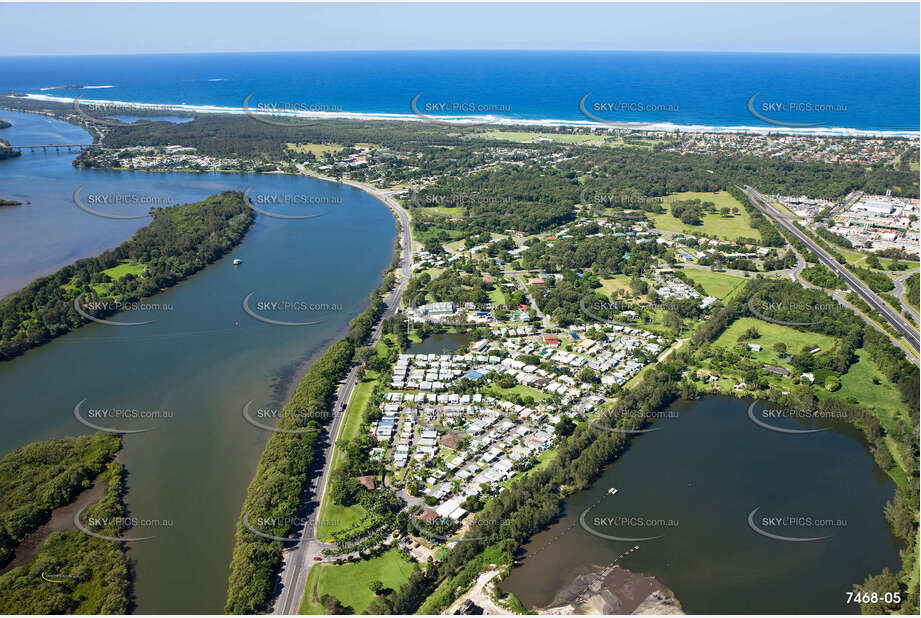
pixel 495 121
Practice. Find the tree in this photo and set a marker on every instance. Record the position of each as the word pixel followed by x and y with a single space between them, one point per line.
pixel 333 606
pixel 376 586
pixel 780 347
pixel 565 427
pixel 885 584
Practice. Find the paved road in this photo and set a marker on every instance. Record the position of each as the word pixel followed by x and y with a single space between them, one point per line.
pixel 858 286
pixel 299 559
pixel 900 293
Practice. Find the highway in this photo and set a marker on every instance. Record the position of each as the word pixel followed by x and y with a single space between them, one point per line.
pixel 858 286
pixel 300 558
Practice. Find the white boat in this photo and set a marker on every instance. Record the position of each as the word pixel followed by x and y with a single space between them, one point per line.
pixel 612 491
pixel 237 261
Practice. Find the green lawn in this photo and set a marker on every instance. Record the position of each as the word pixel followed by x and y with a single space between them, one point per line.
pixel 882 398
pixel 125 268
pixel 730 227
pixel 350 582
pixel 496 296
pixel 715 283
pixel 317 149
pixel 519 389
pixel 618 282
pixel 346 516
pixel 770 334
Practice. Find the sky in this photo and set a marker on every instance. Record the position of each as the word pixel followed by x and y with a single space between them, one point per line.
pixel 57 29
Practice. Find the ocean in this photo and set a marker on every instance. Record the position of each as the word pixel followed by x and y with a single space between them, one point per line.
pixel 756 92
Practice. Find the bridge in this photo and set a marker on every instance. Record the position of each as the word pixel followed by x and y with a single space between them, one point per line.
pixel 46 147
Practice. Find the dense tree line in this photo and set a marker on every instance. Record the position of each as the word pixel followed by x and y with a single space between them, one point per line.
pixel 822 276
pixel 877 281
pixel 277 489
pixel 913 290
pixel 178 242
pixel 835 239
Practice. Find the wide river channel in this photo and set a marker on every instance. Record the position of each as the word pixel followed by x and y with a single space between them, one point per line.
pixel 200 360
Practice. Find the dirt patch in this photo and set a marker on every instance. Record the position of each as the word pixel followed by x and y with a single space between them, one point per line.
pixel 614 591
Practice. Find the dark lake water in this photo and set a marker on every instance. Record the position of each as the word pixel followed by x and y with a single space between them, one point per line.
pixel 200 361
pixel 440 343
pixel 693 483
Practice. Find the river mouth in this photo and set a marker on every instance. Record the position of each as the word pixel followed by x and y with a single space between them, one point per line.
pixel 684 496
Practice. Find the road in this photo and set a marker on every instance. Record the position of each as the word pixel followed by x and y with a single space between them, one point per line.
pixel 858 286
pixel 299 559
pixel 852 197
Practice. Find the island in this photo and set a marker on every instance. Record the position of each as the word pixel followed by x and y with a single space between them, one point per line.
pixel 190 235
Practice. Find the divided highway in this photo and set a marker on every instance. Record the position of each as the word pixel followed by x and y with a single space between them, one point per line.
pixel 858 286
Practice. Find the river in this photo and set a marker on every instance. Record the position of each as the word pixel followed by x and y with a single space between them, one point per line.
pixel 693 482
pixel 200 360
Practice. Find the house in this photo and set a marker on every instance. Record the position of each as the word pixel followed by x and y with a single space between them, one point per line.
pixel 427 515
pixel 754 347
pixel 777 371
pixel 808 376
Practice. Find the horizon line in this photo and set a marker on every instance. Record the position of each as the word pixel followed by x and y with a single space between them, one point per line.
pixel 516 50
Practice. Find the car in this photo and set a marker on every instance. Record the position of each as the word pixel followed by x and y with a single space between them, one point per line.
pixel 317 558
pixel 415 544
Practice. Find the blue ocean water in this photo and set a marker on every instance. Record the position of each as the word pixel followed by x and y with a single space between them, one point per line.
pixel 862 92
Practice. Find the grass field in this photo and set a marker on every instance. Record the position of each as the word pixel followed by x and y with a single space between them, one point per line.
pixel 318 150
pixel 125 268
pixel 882 398
pixel 519 389
pixel 729 228
pixel 350 583
pixel 770 334
pixel 619 282
pixel 346 516
pixel 496 296
pixel 716 284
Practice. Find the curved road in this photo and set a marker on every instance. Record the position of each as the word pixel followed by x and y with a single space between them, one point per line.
pixel 298 559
